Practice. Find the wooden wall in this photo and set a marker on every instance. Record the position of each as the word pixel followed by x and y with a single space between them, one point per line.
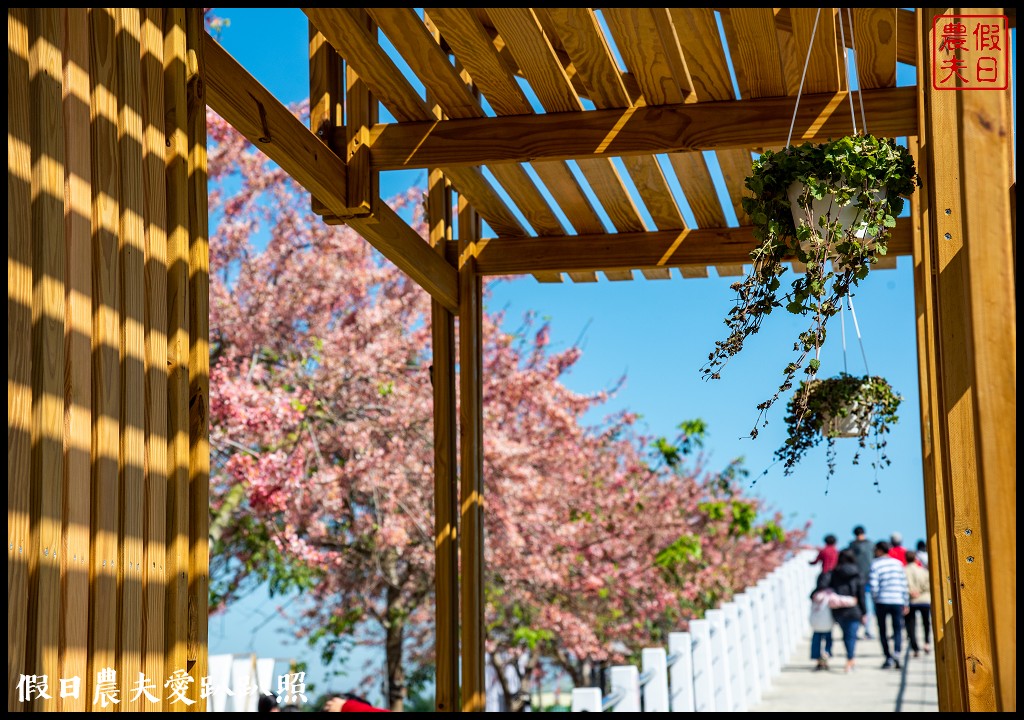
pixel 107 335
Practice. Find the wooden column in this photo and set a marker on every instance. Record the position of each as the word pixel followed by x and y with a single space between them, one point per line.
pixel 471 530
pixel 945 631
pixel 967 141
pixel 446 549
pixel 198 358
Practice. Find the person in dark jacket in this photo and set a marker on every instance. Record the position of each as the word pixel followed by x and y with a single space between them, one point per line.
pixel 864 552
pixel 846 580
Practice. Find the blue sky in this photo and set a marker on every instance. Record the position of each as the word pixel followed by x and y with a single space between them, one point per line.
pixel 658 333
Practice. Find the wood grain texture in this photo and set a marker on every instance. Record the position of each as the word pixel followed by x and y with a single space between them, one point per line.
pixel 198 356
pixel 471 526
pixel 631 251
pixel 19 345
pixel 641 130
pixel 446 506
pixel 78 349
pixel 292 146
pixel 326 95
pixel 154 189
pixel 640 35
pixel 361 112
pixel 875 32
pixel 177 153
pixel 985 122
pixel 755 51
pixel 942 146
pixel 824 66
pixel 132 250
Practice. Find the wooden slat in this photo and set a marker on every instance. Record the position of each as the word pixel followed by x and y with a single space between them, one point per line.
pixel 972 618
pixel 755 51
pixel 154 188
pixel 45 32
pixel 581 35
pixel 698 34
pixel 176 112
pixel 648 43
pixel 824 66
pixel 198 356
pixel 446 506
pixel 986 123
pixel 231 93
pixel 326 95
pixel 630 251
pixel 471 43
pixel 106 370
pixel 905 32
pixel 78 347
pixel 19 344
pixel 875 31
pixel 506 97
pixel 414 41
pixel 132 249
pixel 343 29
pixel 636 131
pixel 639 34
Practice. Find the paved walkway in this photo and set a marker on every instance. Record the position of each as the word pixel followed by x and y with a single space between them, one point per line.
pixel 799 688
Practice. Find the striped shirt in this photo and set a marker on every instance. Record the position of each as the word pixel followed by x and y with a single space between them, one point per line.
pixel 889 582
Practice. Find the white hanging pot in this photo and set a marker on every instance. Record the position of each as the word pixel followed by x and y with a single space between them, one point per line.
pixel 855 423
pixel 851 217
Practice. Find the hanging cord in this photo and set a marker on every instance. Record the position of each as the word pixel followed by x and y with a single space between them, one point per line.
pixel 860 90
pixel 842 323
pixel 846 66
pixel 863 354
pixel 800 91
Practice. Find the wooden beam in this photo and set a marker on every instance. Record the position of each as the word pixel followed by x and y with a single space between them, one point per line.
pixel 253 111
pixel 635 131
pixel 628 251
pixel 446 505
pixel 905 32
pixel 471 529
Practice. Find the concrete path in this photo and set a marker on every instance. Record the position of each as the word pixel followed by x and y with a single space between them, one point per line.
pixel 800 688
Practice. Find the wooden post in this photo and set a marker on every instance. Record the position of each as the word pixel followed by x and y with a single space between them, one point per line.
pixel 446 549
pixel 945 635
pixel 175 66
pixel 45 37
pixel 78 342
pixel 471 529
pixel 19 344
pixel 326 94
pixel 967 143
pixel 154 187
pixel 680 675
pixel 198 358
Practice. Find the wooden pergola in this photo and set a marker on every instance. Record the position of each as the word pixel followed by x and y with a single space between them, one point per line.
pixel 523 112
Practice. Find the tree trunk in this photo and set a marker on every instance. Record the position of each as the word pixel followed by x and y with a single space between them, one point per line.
pixel 395 627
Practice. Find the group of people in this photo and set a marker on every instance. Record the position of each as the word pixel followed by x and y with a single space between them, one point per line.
pixel 892 577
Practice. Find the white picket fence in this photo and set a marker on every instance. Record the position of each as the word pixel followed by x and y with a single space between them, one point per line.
pixel 726 660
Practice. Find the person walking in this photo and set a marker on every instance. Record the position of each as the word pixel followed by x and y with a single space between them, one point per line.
pixel 922 554
pixel 821 623
pixel 828 556
pixel 863 552
pixel 846 580
pixel 896 548
pixel 920 603
pixel 891 595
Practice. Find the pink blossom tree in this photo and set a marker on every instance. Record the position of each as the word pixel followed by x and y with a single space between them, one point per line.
pixel 322 481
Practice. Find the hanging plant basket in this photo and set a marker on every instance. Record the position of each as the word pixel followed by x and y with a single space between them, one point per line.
pixel 835 201
pixel 845 406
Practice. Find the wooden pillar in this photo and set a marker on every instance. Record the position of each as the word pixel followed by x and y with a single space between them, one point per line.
pixel 198 358
pixel 471 529
pixel 966 144
pixel 945 633
pixel 446 549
